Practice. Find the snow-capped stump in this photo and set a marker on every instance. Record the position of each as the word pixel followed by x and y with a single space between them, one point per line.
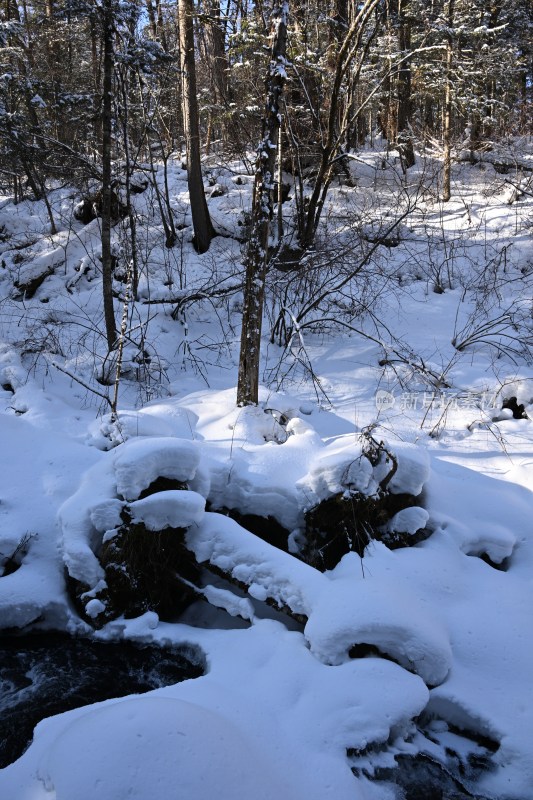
pixel 124 550
pixel 147 566
pixel 143 461
pixel 112 430
pixel 371 495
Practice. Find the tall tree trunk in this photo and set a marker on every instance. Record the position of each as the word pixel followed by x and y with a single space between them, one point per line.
pixel 219 62
pixel 203 230
pixel 262 213
pixel 107 110
pixel 447 131
pixel 404 138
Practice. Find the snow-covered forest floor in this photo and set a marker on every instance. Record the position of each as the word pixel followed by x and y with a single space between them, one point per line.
pixel 414 330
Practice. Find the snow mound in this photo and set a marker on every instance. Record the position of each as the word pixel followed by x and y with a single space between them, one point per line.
pixel 357 610
pixel 141 461
pixel 79 535
pixel 343 466
pixel 261 476
pixel 268 461
pixel 264 569
pixel 408 520
pixel 170 509
pixel 273 722
pixel 12 373
pixel 108 432
pixel 107 515
pixel 199 753
pixel 339 471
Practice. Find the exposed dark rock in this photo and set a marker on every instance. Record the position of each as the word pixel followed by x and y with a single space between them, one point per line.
pixel 91 207
pixel 162 485
pixel 397 539
pixel 518 409
pixel 423 777
pixel 364 650
pixel 443 762
pixel 267 528
pixel 502 566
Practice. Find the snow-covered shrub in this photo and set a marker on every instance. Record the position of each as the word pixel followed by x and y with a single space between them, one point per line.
pixel 373 495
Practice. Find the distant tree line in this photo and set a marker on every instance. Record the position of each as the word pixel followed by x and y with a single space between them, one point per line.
pixel 394 74
pixel 92 89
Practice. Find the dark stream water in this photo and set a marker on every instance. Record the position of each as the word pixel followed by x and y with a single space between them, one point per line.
pixel 45 674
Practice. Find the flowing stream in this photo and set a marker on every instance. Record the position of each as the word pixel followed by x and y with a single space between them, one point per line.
pixel 42 674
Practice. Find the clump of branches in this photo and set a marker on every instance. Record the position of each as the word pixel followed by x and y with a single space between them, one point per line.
pixel 13 560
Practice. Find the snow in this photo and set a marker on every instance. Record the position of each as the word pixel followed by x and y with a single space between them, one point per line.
pixel 356 609
pixel 413 469
pixel 408 520
pixel 142 461
pixel 354 658
pixel 178 508
pixel 199 737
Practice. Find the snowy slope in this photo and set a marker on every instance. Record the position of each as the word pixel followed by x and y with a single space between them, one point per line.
pixel 394 653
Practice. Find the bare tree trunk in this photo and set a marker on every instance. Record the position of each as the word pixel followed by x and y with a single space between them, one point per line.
pixel 262 213
pixel 107 109
pixel 215 33
pixel 447 132
pixel 203 230
pixel 404 138
pixel 151 18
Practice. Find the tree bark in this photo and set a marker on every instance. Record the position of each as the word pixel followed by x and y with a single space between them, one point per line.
pixel 447 128
pixel 404 138
pixel 219 63
pixel 262 213
pixel 203 230
pixel 107 110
